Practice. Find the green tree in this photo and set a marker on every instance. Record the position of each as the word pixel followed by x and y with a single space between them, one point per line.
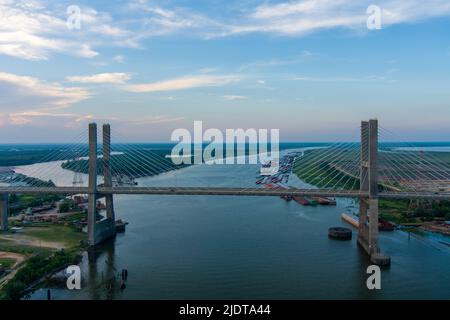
pixel 64 206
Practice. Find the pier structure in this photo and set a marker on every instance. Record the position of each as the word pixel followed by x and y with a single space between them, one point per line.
pixel 4 211
pixel 99 231
pixel 368 206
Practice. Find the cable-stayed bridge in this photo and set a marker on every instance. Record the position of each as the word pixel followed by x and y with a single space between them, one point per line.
pixel 364 170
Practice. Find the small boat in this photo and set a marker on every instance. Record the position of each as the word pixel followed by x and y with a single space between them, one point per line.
pixel 120 225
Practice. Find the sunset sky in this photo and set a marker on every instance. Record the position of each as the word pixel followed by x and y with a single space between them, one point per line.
pixel 311 68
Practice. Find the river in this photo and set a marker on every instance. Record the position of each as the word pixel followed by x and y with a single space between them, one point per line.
pixel 213 247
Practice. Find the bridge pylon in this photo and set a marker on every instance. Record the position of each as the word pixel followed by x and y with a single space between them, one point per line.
pixel 368 206
pixel 99 231
pixel 4 211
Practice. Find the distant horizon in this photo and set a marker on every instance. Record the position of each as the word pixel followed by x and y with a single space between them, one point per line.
pixel 206 143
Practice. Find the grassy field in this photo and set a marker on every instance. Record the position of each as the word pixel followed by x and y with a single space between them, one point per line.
pixel 17 247
pixel 56 233
pixel 7 262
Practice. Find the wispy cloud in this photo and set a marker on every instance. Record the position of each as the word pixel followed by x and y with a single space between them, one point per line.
pixel 55 95
pixel 339 78
pixel 296 18
pixel 119 58
pixel 234 97
pixel 187 82
pixel 35 32
pixel 159 21
pixel 24 97
pixel 305 55
pixel 102 78
pixel 153 120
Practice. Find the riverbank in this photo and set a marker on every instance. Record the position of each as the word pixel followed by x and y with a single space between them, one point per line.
pixel 40 251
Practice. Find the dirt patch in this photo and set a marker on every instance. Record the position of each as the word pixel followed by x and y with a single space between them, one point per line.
pixel 19 259
pixel 28 241
pixel 16 256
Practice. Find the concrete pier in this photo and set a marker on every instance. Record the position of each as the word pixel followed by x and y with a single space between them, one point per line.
pixel 368 207
pixel 107 171
pixel 92 195
pixel 4 211
pixel 105 229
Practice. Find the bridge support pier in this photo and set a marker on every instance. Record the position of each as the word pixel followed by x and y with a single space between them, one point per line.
pixel 107 171
pixel 368 207
pixel 104 229
pixel 4 211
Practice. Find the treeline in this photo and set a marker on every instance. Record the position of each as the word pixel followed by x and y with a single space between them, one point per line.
pixel 26 157
pixel 36 268
pixel 135 164
pixel 404 211
pixel 31 181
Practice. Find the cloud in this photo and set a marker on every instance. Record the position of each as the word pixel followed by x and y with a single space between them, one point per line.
pixel 304 56
pixel 233 97
pixel 339 78
pixel 17 87
pixel 298 18
pixel 25 97
pixel 85 51
pixel 153 120
pixel 119 58
pixel 102 78
pixel 292 18
pixel 35 32
pixel 158 21
pixel 38 30
pixel 182 83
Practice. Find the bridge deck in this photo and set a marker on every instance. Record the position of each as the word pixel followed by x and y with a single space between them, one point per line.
pixel 225 191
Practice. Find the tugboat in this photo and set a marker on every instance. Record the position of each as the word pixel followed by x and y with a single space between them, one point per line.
pixel 120 225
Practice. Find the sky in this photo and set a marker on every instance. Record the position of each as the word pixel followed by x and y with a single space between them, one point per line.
pixel 311 68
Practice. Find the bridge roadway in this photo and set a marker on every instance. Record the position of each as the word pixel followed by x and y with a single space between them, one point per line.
pixel 226 192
